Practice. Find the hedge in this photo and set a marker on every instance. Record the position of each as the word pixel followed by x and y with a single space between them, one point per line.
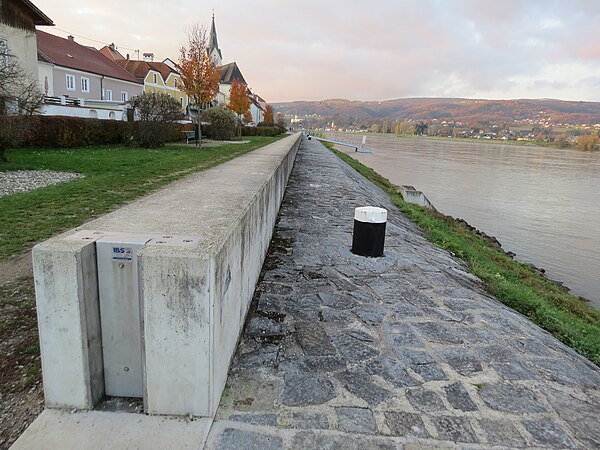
pixel 262 131
pixel 68 132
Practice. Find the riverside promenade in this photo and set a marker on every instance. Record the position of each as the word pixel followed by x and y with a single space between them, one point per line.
pixel 404 351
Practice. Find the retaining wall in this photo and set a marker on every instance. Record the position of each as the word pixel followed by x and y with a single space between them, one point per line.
pixel 207 238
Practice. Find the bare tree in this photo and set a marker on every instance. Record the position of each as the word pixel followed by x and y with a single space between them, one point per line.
pixel 19 93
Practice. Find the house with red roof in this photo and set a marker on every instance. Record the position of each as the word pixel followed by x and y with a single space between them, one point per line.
pixel 156 76
pixel 81 81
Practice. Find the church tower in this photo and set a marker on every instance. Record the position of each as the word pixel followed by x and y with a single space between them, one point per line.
pixel 213 45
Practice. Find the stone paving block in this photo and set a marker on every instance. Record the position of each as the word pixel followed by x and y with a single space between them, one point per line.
pixel 476 336
pixel 328 441
pixel 352 347
pixel 582 414
pixel 232 438
pixel 514 370
pixel 430 372
pixel 424 400
pixel 312 364
pixel 342 317
pixel 511 398
pixel 548 434
pixel 565 372
pixel 361 385
pixel 313 339
pixel 455 429
pixel 402 336
pixel 264 327
pixel 264 356
pixel 462 360
pixel 438 333
pixel 393 371
pixel 459 398
pixel 338 301
pixel 308 420
pixel 405 424
pixel 255 419
pixel 355 420
pixel 502 432
pixel 371 315
pixel 413 357
pixel 303 390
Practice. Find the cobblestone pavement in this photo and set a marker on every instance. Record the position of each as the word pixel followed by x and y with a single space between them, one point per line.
pixel 403 351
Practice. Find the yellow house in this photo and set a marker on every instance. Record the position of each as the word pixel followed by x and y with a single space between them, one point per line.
pixel 156 76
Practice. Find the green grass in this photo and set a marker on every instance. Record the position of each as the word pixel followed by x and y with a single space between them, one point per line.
pixel 113 176
pixel 572 321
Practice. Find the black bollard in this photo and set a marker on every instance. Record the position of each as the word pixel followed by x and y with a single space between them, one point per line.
pixel 369 231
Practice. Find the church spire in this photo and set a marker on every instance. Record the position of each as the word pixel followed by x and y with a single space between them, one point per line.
pixel 213 45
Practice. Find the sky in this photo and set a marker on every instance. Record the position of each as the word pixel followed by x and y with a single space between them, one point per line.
pixel 366 50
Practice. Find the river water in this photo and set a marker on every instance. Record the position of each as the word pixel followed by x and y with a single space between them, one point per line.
pixel 542 204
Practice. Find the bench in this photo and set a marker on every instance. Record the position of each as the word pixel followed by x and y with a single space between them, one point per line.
pixel 190 136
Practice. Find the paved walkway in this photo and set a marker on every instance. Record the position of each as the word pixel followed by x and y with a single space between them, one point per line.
pixel 404 351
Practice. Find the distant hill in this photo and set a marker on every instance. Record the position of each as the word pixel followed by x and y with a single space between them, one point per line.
pixel 349 112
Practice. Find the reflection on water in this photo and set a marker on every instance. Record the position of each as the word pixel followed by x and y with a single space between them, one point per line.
pixel 542 204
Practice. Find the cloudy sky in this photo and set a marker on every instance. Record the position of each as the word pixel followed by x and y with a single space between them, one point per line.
pixel 367 50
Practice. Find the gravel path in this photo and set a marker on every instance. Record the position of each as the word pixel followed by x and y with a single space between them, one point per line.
pixel 15 181
pixel 403 351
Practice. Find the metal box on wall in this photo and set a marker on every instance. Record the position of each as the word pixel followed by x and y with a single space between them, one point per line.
pixel 120 314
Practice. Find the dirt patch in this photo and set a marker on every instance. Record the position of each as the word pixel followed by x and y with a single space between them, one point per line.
pixel 15 268
pixel 21 394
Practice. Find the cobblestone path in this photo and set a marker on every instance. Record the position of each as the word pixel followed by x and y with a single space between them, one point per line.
pixel 403 351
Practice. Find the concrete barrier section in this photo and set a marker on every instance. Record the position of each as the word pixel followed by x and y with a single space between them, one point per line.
pixel 198 247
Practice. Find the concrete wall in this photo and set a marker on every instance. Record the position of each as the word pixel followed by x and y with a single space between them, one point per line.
pixel 95 110
pixel 210 234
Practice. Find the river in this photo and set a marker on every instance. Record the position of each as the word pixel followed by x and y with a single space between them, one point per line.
pixel 543 204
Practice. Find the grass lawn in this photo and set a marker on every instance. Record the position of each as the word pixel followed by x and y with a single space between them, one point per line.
pixel 572 321
pixel 113 176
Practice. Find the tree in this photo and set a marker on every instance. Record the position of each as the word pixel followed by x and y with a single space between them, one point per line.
pixel 247 117
pixel 588 142
pixel 239 102
pixel 155 113
pixel 420 128
pixel 199 73
pixel 281 120
pixel 19 95
pixel 269 119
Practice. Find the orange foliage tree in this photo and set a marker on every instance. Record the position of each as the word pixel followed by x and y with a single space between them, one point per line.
pixel 239 102
pixel 247 117
pixel 269 120
pixel 199 73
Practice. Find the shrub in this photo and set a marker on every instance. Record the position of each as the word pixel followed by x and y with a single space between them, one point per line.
pixel 222 123
pixel 156 114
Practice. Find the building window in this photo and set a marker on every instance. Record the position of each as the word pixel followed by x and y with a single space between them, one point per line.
pixel 124 96
pixel 155 78
pixel 181 101
pixel 70 82
pixel 85 84
pixel 108 94
pixel 176 83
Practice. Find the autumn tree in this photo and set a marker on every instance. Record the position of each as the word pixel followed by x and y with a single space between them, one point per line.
pixel 247 117
pixel 239 102
pixel 199 73
pixel 269 119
